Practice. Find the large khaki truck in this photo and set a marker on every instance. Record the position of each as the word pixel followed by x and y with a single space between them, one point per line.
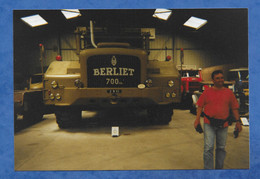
pixel 113 75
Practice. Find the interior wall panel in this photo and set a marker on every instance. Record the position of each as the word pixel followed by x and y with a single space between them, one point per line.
pixel 161 47
pixel 69 55
pixel 196 53
pixel 65 45
pixel 68 41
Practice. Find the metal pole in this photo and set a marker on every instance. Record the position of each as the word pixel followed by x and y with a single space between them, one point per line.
pixel 165 53
pixel 77 41
pixel 41 60
pixel 41 56
pixel 59 45
pixel 181 58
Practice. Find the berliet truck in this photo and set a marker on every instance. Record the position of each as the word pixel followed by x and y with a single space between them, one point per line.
pixel 111 75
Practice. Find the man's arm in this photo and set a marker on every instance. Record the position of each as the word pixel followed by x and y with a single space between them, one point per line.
pixel 197 121
pixel 236 115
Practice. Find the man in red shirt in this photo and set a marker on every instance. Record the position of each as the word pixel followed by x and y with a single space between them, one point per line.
pixel 217 103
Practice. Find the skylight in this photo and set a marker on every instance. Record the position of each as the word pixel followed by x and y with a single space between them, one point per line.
pixel 70 13
pixel 34 20
pixel 195 22
pixel 163 14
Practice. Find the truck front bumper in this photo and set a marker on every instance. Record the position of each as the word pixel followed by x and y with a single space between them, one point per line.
pixel 106 97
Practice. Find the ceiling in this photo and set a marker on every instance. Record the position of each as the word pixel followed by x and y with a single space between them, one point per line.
pixel 217 19
pixel 225 27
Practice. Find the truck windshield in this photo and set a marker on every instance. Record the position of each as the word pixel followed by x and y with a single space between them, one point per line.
pixel 234 75
pixel 244 75
pixel 188 73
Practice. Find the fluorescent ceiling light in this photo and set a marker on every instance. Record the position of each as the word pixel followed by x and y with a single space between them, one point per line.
pixel 163 14
pixel 70 13
pixel 195 22
pixel 34 20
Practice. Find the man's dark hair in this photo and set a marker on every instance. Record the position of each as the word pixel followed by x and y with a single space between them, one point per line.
pixel 215 73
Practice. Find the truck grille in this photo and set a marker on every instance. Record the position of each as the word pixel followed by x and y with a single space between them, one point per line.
pixel 113 71
pixel 193 86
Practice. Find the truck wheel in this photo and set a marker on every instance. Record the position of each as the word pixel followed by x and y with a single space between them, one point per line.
pixel 193 110
pixel 15 120
pixel 68 117
pixel 161 114
pixel 32 116
pixel 186 101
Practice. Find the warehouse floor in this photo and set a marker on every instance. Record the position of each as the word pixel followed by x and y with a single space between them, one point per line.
pixel 140 146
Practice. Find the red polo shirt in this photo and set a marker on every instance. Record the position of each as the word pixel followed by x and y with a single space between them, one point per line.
pixel 217 103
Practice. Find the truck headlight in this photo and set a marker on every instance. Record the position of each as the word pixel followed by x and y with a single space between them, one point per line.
pixel 51 96
pixel 149 83
pixel 58 96
pixel 173 95
pixel 78 83
pixel 170 83
pixel 54 84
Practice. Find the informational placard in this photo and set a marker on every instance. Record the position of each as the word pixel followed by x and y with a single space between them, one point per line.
pixel 115 131
pixel 244 121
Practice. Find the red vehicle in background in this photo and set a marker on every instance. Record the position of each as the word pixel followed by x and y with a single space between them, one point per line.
pixel 190 82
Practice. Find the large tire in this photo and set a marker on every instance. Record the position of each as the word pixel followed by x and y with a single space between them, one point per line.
pixel 186 101
pixel 193 110
pixel 33 107
pixel 68 117
pixel 161 114
pixel 33 116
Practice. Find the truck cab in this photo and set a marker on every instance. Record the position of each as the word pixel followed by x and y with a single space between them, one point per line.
pixel 190 82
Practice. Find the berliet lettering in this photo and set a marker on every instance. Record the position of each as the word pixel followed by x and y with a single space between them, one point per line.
pixel 108 71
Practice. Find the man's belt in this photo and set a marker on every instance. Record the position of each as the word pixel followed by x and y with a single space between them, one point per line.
pixel 219 123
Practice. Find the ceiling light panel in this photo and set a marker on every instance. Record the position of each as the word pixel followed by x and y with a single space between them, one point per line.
pixel 34 20
pixel 195 22
pixel 163 14
pixel 70 13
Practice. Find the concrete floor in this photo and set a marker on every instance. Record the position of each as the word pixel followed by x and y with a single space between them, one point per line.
pixel 140 146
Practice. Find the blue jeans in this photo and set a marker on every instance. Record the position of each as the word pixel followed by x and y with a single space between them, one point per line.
pixel 210 133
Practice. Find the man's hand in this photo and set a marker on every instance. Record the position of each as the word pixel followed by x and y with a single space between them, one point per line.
pixel 196 122
pixel 197 126
pixel 238 126
pixel 238 129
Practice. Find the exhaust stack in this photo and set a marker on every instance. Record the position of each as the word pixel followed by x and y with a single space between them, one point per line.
pixel 92 35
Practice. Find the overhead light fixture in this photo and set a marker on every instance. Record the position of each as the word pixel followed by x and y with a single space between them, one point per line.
pixel 163 14
pixel 70 13
pixel 34 20
pixel 195 22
